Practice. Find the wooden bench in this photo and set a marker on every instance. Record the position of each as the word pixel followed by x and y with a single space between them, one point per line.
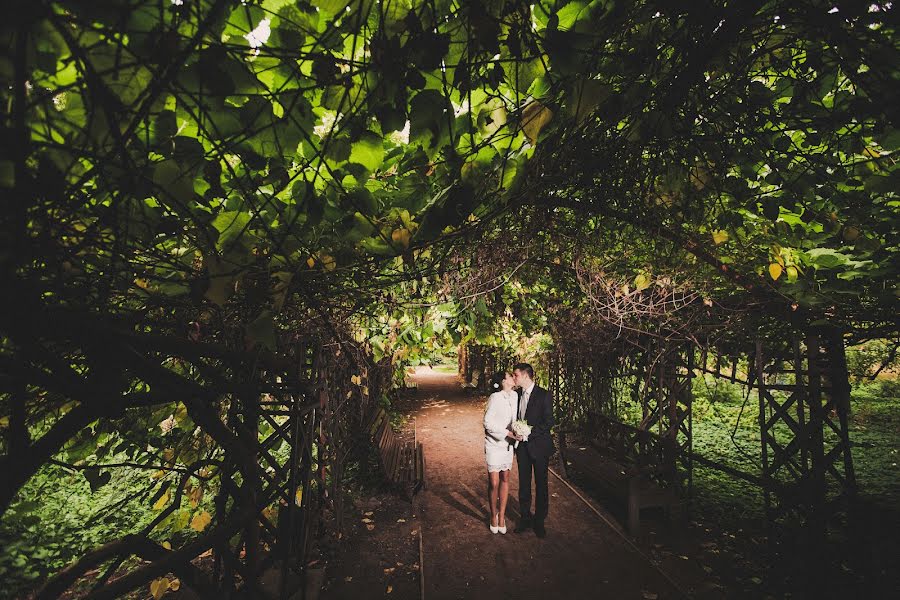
pixel 473 385
pixel 627 463
pixel 403 462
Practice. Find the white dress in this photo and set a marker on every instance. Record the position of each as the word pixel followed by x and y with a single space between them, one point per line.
pixel 498 417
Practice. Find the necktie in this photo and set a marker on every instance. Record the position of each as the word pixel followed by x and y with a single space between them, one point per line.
pixel 523 404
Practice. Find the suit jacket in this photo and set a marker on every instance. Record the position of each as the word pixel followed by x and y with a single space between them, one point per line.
pixel 539 414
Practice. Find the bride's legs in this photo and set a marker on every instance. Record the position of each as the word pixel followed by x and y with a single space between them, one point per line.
pixel 504 496
pixel 494 479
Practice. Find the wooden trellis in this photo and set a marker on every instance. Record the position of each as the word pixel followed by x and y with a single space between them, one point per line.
pixel 485 360
pixel 804 401
pixel 285 509
pixel 586 390
pixel 292 428
pixel 667 408
pixel 804 395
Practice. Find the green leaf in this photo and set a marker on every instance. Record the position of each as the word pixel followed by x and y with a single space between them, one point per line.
pixel 231 225
pixel 173 182
pixel 368 151
pixel 827 258
pixel 571 13
pixel 429 115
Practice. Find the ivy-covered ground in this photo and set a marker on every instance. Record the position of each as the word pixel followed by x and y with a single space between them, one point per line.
pixel 734 508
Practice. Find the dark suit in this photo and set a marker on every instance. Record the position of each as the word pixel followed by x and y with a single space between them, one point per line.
pixel 534 455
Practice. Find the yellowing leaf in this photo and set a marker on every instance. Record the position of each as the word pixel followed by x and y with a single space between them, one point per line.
pixel 175 585
pixel 158 587
pixel 534 117
pixel 356 380
pixel 310 262
pixel 328 262
pixel 642 281
pixel 163 500
pixel 200 521
pixel 719 236
pixel 401 237
pixel 775 271
pixel 196 495
pixel 298 497
pixel 167 545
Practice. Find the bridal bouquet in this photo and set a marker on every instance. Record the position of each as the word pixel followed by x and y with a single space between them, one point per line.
pixel 521 428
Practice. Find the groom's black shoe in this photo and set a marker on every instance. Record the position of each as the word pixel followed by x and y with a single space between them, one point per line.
pixel 523 525
pixel 539 529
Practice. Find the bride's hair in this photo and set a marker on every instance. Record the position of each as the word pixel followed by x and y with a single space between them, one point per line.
pixel 497 381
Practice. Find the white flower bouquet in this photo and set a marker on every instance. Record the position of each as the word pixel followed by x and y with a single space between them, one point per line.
pixel 522 429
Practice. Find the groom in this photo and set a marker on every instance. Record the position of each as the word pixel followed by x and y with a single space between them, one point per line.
pixel 534 450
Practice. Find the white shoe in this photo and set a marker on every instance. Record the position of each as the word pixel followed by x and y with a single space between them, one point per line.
pixel 494 528
pixel 502 529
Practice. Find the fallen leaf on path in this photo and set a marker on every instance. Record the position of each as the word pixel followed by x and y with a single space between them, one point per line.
pixel 390 589
pixel 368 513
pixel 414 532
pixel 555 495
pixel 649 595
pixel 707 568
pixel 401 520
pixel 367 520
pixel 389 570
pixel 348 578
pixel 756 580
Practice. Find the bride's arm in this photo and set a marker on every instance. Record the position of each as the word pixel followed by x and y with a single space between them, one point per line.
pixel 493 419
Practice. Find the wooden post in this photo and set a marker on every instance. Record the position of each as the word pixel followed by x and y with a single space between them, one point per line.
pixel 763 431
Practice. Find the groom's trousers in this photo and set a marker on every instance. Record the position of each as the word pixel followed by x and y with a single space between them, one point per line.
pixel 539 465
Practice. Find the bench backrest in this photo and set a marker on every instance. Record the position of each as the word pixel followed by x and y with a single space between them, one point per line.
pixel 633 446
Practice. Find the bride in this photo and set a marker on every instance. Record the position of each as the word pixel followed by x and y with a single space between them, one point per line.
pixel 498 449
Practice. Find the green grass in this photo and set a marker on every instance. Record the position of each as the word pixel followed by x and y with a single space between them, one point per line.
pixel 723 433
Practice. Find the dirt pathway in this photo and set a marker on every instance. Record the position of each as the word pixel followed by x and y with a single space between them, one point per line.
pixel 582 557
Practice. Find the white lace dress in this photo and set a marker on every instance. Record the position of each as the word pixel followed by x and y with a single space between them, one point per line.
pixel 498 417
